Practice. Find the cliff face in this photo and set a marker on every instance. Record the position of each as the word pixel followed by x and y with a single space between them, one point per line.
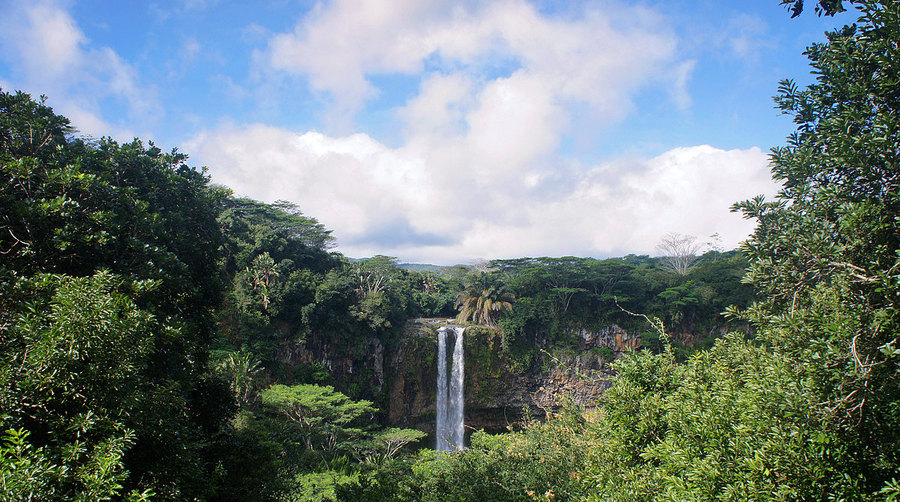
pixel 612 337
pixel 498 392
pixel 412 372
pixel 361 369
pixel 402 379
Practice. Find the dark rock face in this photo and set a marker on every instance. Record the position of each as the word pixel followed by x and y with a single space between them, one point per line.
pixel 611 337
pixel 498 393
pixel 412 371
pixel 363 367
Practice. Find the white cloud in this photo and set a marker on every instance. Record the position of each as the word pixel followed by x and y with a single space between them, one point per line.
pixel 50 42
pixel 479 173
pixel 394 201
pixel 594 59
pixel 439 108
pixel 52 56
pixel 515 123
pixel 348 182
pixel 336 46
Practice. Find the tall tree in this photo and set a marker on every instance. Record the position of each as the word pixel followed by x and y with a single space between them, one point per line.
pixel 262 272
pixel 826 252
pixel 75 208
pixel 679 252
pixel 484 300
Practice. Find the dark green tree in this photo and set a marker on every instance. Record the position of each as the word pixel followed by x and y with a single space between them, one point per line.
pixel 324 418
pixel 484 300
pixel 826 252
pixel 71 385
pixel 273 258
pixel 143 224
pixel 382 292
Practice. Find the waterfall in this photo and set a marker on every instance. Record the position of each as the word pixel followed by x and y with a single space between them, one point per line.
pixel 442 429
pixel 450 402
pixel 457 404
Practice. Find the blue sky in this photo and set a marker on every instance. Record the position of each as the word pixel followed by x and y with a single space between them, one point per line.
pixel 440 131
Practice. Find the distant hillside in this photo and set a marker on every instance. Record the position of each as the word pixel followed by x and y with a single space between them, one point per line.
pixel 421 267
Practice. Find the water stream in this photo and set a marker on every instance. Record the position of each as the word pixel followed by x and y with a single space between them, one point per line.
pixel 450 402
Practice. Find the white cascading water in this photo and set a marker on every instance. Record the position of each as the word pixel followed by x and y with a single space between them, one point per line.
pixel 442 431
pixel 450 403
pixel 457 404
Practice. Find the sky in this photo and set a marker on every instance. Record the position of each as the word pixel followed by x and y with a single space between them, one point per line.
pixel 441 131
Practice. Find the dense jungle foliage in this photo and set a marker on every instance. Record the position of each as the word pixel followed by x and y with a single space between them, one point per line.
pixel 147 316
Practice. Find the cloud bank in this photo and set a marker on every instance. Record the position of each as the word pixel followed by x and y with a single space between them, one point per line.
pixel 481 170
pixel 395 201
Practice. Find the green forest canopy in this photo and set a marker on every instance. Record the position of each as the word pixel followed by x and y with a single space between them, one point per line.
pixel 142 310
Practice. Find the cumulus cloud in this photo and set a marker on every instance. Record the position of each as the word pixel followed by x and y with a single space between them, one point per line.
pixel 383 200
pixel 52 56
pixel 594 59
pixel 479 171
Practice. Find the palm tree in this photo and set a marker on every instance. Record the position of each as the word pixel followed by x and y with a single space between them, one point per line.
pixel 264 269
pixel 240 369
pixel 483 301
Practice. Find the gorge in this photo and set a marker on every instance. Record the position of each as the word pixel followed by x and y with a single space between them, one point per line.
pixel 418 381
